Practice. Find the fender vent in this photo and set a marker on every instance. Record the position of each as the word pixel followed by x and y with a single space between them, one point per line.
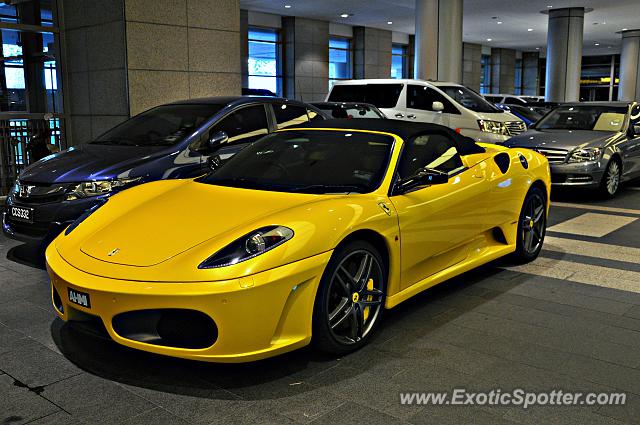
pixel 503 161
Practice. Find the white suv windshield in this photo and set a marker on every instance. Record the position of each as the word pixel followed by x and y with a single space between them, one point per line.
pixel 469 99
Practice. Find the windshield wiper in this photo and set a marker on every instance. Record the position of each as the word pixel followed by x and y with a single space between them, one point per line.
pixel 328 188
pixel 239 182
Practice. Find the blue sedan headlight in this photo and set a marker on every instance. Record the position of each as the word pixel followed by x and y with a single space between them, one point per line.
pixel 249 246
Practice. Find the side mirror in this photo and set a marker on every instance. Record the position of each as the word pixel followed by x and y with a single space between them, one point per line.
pixel 424 177
pixel 437 106
pixel 217 138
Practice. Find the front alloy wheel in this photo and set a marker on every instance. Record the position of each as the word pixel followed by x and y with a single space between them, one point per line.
pixel 350 298
pixel 611 179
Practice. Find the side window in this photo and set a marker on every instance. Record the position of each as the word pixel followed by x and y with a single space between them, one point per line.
pixel 422 97
pixel 514 101
pixel 314 116
pixel 435 151
pixel 243 126
pixel 289 115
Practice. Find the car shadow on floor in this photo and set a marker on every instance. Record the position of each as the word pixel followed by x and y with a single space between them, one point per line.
pixel 276 377
pixel 27 255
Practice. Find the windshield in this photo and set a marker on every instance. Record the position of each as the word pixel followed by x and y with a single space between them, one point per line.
pixel 379 95
pixel 469 99
pixel 308 161
pixel 164 125
pixel 587 117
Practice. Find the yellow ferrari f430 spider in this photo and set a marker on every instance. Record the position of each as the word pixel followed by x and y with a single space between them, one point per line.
pixel 305 236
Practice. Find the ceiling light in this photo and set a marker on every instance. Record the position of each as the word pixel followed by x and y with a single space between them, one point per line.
pixel 489 39
pixel 597 44
pixel 499 22
pixel 344 15
pixel 537 48
pixel 624 29
pixel 529 29
pixel 549 6
pixel 389 22
pixel 287 6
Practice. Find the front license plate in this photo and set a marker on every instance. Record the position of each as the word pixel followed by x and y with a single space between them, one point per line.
pixel 21 214
pixel 79 298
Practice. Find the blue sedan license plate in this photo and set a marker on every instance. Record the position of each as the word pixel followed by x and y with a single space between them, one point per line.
pixel 21 214
pixel 80 298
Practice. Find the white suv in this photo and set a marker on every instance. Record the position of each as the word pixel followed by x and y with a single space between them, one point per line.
pixel 448 104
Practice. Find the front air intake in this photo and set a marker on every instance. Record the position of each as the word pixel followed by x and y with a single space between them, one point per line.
pixel 169 327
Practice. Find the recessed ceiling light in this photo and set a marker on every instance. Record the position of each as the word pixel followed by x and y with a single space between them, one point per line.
pixel 499 22
pixel 537 48
pixel 344 15
pixel 489 39
pixel 624 29
pixel 287 6
pixel 529 29
pixel 549 6
pixel 597 44
pixel 389 22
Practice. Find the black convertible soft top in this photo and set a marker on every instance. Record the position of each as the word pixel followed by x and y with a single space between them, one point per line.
pixel 404 129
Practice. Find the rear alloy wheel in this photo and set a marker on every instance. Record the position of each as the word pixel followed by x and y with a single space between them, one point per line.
pixel 532 226
pixel 611 179
pixel 350 298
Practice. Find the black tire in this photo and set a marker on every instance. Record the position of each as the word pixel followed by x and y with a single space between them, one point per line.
pixel 355 318
pixel 610 183
pixel 532 226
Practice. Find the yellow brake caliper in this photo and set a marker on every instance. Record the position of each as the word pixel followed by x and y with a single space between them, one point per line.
pixel 365 313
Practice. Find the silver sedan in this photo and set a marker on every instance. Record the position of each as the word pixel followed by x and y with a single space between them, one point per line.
pixel 588 144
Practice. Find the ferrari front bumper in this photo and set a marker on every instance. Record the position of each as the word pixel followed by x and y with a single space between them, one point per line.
pixel 255 317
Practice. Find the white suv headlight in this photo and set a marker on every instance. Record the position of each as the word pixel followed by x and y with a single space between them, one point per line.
pixel 495 127
pixel 584 155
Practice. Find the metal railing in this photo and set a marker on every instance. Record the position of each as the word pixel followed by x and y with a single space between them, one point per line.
pixel 24 139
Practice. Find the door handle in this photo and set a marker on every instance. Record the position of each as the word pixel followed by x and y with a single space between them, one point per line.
pixel 411 116
pixel 399 115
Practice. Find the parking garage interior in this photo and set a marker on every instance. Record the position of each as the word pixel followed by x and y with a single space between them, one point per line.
pixel 75 73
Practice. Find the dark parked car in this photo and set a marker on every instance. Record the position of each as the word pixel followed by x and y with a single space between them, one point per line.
pixel 528 114
pixel 589 144
pixel 347 110
pixel 177 140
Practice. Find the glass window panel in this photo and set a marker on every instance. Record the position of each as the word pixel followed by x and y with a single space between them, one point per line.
pixel 340 67
pixel 263 61
pixel 398 61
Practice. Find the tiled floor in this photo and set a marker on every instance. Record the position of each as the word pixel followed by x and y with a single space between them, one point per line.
pixel 570 320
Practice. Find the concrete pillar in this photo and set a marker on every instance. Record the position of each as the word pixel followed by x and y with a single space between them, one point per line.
pixel 244 47
pixel 439 40
pixel 530 70
pixel 411 56
pixel 371 53
pixel 306 58
pixel 503 70
pixel 123 57
pixel 471 65
pixel 564 54
pixel 629 88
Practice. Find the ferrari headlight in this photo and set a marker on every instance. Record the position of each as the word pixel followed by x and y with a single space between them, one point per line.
pixel 96 188
pixel 583 155
pixel 249 246
pixel 495 127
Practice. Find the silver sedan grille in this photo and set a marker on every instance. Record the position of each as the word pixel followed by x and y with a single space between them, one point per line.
pixel 554 156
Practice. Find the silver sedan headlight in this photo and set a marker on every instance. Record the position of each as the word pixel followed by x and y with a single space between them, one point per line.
pixel 96 188
pixel 584 155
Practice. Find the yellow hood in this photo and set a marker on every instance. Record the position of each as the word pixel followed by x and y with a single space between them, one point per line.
pixel 176 220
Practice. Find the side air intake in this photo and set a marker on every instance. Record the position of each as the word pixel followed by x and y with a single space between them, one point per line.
pixel 503 161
